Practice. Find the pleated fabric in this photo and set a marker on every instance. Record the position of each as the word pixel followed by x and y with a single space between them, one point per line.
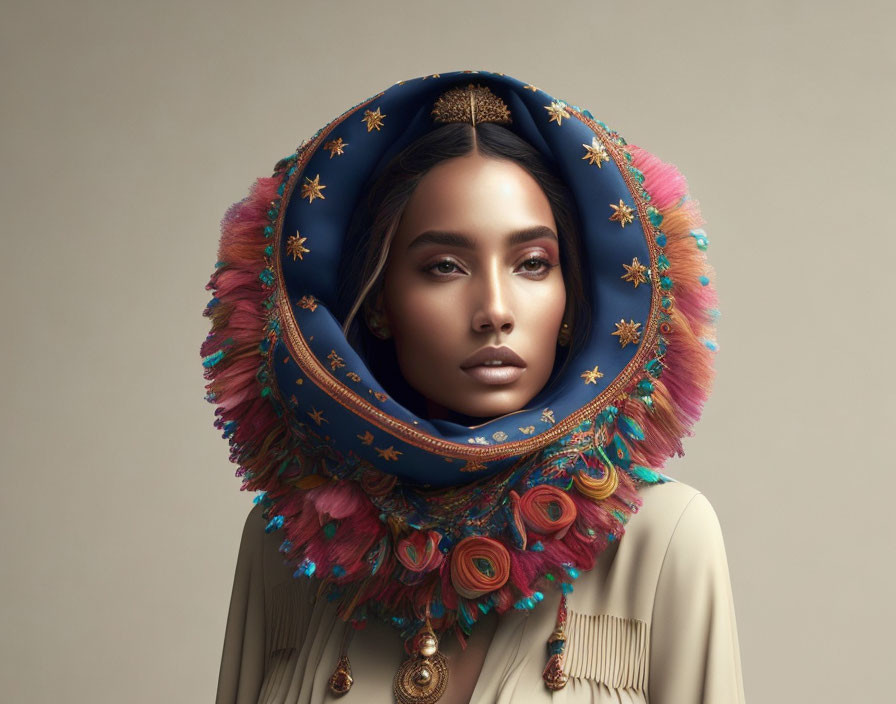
pixel 608 649
pixel 653 622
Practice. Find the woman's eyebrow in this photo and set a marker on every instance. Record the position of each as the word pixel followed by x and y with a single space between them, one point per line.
pixel 456 239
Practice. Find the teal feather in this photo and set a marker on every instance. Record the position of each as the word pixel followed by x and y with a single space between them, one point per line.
pixel 629 427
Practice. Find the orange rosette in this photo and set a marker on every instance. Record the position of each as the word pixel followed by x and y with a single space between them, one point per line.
pixel 478 566
pixel 548 510
pixel 597 489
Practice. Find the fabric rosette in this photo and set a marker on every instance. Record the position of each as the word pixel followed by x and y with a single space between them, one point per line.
pixel 479 565
pixel 420 551
pixel 547 510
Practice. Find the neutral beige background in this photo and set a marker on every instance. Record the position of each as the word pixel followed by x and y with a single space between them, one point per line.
pixel 127 130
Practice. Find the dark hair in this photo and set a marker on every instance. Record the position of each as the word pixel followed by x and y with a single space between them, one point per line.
pixel 376 219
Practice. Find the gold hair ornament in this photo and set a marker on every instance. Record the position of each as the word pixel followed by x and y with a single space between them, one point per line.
pixel 474 104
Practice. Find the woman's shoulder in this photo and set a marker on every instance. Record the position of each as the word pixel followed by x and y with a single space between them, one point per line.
pixel 265 546
pixel 672 513
pixel 662 505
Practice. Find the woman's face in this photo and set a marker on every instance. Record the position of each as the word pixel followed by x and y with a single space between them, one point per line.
pixel 473 292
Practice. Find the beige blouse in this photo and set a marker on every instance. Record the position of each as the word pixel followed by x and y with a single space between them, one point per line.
pixel 653 622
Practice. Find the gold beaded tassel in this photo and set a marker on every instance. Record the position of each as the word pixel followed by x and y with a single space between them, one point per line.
pixel 341 680
pixel 554 676
pixel 422 678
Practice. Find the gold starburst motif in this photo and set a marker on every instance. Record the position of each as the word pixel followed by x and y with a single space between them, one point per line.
pixel 627 331
pixel 336 147
pixel 547 416
pixel 317 416
pixel 312 189
pixel 308 302
pixel 354 376
pixel 622 213
pixel 596 153
pixel 528 430
pixel 592 375
pixel 634 272
pixel 390 453
pixel 530 87
pixel 300 381
pixel 374 119
pixel 335 360
pixel 380 396
pixel 366 438
pixel 557 109
pixel 295 246
pixel 472 466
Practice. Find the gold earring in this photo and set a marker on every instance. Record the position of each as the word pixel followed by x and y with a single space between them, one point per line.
pixel 378 326
pixel 565 335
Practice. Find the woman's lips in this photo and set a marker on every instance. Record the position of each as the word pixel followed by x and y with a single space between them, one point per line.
pixel 495 365
pixel 504 374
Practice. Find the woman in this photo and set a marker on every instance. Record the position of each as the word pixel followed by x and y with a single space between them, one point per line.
pixel 454 338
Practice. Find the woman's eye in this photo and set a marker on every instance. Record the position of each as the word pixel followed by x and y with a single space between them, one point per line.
pixel 445 266
pixel 535 265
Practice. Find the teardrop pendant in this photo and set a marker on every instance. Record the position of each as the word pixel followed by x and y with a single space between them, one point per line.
pixel 341 680
pixel 554 676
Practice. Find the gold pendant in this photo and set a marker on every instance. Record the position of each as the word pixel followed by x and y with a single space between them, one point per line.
pixel 422 678
pixel 341 679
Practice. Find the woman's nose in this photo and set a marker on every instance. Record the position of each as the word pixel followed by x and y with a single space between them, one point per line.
pixel 493 310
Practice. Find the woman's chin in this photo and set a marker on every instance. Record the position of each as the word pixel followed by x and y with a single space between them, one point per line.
pixel 476 408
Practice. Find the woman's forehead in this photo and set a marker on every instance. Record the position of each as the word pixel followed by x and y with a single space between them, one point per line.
pixel 475 197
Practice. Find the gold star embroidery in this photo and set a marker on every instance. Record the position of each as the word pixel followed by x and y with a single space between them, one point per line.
pixel 592 375
pixel 547 416
pixel 366 438
pixel 389 453
pixel 308 302
pixel 472 466
pixel 300 381
pixel 622 213
pixel 295 246
pixel 380 396
pixel 557 110
pixel 317 416
pixel 627 331
pixel 530 87
pixel 335 360
pixel 434 75
pixel 353 376
pixel 335 146
pixel 634 272
pixel 312 189
pixel 528 430
pixel 374 120
pixel 596 153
